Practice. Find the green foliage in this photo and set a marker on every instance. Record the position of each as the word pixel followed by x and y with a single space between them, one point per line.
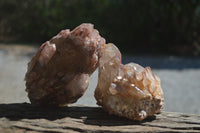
pixel 135 26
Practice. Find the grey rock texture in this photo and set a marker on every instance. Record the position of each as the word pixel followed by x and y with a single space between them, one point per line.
pixel 36 119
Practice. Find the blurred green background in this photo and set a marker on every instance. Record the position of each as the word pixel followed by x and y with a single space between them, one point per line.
pixel 169 27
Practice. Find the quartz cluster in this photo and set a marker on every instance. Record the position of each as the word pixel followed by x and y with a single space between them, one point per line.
pixel 58 74
pixel 127 90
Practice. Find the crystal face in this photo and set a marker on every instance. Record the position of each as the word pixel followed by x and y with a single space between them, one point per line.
pixel 127 90
pixel 59 71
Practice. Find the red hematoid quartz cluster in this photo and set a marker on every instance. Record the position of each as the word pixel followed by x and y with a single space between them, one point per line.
pixel 58 74
pixel 127 90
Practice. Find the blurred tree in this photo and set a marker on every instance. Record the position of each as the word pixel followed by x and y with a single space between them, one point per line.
pixel 135 26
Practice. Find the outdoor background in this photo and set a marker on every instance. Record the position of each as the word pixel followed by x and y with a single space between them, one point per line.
pixel 164 35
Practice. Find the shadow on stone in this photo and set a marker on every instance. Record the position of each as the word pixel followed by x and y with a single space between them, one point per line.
pixel 89 115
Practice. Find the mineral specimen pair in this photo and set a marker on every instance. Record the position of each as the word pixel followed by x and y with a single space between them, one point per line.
pixel 58 74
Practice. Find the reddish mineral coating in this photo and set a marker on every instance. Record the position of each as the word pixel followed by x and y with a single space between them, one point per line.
pixel 58 73
pixel 127 90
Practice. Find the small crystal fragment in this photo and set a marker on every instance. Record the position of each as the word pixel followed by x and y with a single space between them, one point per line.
pixel 127 90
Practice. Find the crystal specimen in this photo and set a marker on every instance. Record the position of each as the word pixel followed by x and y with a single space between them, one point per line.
pixel 127 90
pixel 59 71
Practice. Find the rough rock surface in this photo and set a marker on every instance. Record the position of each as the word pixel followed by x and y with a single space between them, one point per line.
pixel 127 90
pixel 59 71
pixel 36 119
